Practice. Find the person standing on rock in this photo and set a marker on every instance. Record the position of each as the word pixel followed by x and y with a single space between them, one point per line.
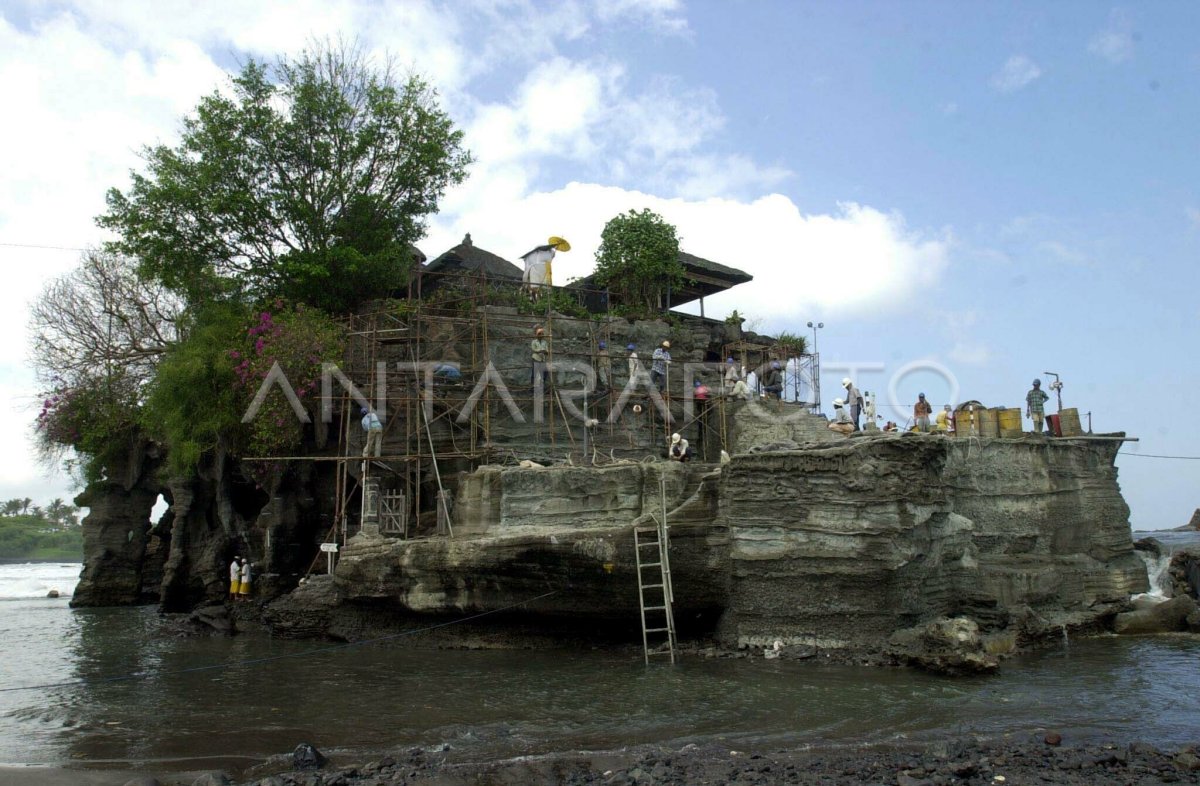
pixel 539 351
pixel 1035 405
pixel 921 412
pixel 244 585
pixel 658 366
pixel 841 423
pixel 235 578
pixel 854 401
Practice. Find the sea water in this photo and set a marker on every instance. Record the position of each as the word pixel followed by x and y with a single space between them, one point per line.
pixel 177 714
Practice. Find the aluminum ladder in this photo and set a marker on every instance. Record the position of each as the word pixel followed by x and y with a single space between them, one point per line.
pixel 658 618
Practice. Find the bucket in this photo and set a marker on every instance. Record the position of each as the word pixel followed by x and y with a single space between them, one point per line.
pixel 1010 422
pixel 1055 429
pixel 987 422
pixel 1068 420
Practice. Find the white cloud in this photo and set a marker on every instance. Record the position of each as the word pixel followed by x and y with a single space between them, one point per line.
pixel 970 353
pixel 665 16
pixel 1115 43
pixel 1017 72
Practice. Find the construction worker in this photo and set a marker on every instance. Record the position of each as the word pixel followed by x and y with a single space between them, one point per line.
pixel 603 366
pixel 841 422
pixel 773 381
pixel 854 401
pixel 1035 405
pixel 235 578
pixel 539 350
pixel 635 365
pixel 373 446
pixel 679 450
pixel 658 365
pixel 921 413
pixel 945 420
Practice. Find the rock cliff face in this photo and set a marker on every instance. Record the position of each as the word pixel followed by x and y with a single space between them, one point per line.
pixel 839 544
pixel 116 533
pixel 566 530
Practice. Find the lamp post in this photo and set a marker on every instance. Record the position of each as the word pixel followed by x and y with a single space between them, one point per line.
pixel 816 366
pixel 815 326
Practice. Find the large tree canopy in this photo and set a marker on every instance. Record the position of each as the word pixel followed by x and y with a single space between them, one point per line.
pixel 310 180
pixel 638 258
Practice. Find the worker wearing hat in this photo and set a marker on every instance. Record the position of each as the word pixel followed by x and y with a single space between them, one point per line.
pixel 735 380
pixel 1035 405
pixel 841 418
pixel 678 451
pixel 921 412
pixel 635 365
pixel 854 400
pixel 658 366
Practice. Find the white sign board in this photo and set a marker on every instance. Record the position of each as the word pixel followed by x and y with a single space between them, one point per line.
pixel 329 548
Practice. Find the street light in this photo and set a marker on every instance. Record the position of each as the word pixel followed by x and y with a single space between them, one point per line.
pixel 816 373
pixel 814 327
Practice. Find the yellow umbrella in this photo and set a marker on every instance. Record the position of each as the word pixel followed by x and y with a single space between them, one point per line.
pixel 560 244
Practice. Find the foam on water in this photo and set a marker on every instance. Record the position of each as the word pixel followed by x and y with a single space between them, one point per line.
pixel 36 579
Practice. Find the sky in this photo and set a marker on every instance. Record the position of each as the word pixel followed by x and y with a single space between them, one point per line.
pixel 966 195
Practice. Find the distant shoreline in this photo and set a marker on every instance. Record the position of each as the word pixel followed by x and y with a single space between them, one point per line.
pixel 72 559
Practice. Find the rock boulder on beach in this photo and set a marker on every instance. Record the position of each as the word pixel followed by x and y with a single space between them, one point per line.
pixel 1166 617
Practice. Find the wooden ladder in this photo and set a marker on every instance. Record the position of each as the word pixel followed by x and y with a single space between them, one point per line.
pixel 658 618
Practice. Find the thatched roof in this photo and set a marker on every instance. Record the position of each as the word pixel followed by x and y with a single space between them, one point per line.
pixel 466 257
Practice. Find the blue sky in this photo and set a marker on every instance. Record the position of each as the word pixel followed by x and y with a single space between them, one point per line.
pixel 1000 189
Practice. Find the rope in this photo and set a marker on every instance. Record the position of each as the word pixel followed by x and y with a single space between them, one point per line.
pixel 268 659
pixel 1152 455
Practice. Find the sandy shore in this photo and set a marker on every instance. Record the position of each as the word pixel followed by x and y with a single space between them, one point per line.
pixel 1013 761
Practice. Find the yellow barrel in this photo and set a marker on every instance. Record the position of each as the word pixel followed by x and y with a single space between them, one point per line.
pixel 1068 420
pixel 987 422
pixel 1010 422
pixel 966 424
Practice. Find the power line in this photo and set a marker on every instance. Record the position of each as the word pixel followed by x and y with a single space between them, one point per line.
pixel 1152 455
pixel 301 654
pixel 47 248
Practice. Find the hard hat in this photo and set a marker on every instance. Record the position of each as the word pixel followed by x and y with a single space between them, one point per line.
pixel 539 331
pixel 920 395
pixel 846 382
pixel 631 347
pixel 603 345
pixel 774 364
pixel 666 345
pixel 697 383
pixel 837 402
pixel 675 438
pixel 1037 383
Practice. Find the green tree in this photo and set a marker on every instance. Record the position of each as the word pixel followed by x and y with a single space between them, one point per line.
pixel 311 181
pixel 638 258
pixel 11 507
